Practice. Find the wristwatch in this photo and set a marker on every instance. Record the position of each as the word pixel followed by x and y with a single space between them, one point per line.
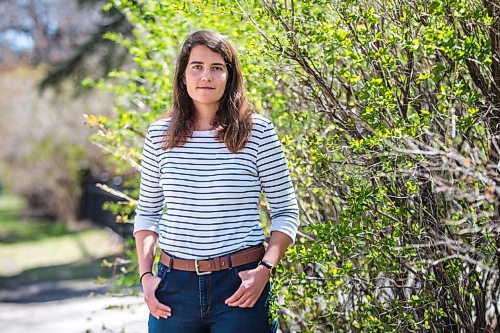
pixel 269 266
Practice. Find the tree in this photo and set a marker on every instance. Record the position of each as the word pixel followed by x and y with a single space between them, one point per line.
pixel 43 133
pixel 96 56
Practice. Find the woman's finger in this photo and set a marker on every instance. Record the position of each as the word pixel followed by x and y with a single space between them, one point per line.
pixel 165 308
pixel 238 301
pixel 163 314
pixel 248 303
pixel 161 306
pixel 162 309
pixel 236 296
pixel 155 307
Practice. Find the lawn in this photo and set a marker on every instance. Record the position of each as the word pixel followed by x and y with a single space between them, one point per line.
pixel 14 228
pixel 40 250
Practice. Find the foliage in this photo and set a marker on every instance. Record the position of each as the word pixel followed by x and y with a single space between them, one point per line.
pixel 388 113
pixel 401 162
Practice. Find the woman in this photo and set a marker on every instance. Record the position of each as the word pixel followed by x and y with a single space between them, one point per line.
pixel 207 162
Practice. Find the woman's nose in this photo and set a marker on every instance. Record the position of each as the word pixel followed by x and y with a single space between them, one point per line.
pixel 206 76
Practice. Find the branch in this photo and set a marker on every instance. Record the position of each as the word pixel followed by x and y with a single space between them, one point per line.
pixel 125 157
pixel 116 193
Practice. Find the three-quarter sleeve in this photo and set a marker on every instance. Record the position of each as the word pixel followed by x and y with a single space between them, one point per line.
pixel 276 183
pixel 151 198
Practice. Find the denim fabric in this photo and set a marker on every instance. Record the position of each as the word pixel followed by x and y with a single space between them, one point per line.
pixel 197 303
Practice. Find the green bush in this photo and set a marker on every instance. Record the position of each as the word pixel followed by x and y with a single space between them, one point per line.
pixel 388 114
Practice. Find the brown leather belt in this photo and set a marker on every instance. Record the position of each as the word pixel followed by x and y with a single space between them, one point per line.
pixel 207 266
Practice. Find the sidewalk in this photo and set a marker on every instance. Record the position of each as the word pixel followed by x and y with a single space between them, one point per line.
pixel 98 313
pixel 70 314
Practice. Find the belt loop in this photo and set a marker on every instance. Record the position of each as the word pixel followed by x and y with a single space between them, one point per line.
pixel 229 262
pixel 217 264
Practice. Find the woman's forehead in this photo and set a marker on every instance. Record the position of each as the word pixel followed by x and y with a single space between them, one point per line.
pixel 202 54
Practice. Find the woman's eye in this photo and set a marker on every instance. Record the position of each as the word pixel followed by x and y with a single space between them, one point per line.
pixel 218 68
pixel 197 67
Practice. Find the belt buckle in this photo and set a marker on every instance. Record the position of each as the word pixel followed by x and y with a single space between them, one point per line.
pixel 196 267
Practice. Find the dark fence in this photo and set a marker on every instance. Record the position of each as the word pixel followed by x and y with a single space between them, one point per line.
pixel 93 199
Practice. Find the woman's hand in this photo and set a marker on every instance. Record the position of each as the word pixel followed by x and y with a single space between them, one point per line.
pixel 252 284
pixel 149 285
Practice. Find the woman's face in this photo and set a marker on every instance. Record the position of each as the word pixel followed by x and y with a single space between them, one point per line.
pixel 205 77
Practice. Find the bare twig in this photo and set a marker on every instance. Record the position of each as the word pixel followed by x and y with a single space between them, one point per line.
pixel 116 193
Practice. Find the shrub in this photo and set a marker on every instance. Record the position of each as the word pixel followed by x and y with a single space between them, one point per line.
pixel 388 113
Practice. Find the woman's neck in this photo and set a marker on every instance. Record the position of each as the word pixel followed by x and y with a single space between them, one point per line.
pixel 204 119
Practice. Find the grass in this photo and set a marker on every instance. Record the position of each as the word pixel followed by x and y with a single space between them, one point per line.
pixel 14 228
pixel 40 250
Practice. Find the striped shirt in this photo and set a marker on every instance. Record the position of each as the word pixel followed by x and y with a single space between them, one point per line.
pixel 203 201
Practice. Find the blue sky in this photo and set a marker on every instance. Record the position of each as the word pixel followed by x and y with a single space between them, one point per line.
pixel 17 41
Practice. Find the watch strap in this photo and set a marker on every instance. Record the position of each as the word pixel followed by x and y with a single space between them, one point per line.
pixel 269 266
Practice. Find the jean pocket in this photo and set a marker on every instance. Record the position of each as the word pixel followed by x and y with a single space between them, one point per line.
pixel 235 275
pixel 241 268
pixel 247 267
pixel 163 273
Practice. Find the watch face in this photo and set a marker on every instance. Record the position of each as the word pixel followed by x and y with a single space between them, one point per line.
pixel 270 267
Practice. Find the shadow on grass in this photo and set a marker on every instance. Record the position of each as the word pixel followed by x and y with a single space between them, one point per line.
pixel 58 282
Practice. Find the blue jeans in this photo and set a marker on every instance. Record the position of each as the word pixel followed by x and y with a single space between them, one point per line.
pixel 197 303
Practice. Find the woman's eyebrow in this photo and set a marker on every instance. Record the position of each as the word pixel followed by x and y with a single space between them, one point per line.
pixel 201 63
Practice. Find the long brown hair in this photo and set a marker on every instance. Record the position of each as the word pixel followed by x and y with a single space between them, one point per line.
pixel 233 119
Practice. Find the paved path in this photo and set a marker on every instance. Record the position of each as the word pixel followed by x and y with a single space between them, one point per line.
pixel 61 307
pixel 78 315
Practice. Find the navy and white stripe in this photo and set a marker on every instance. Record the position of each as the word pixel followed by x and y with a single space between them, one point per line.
pixel 211 195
